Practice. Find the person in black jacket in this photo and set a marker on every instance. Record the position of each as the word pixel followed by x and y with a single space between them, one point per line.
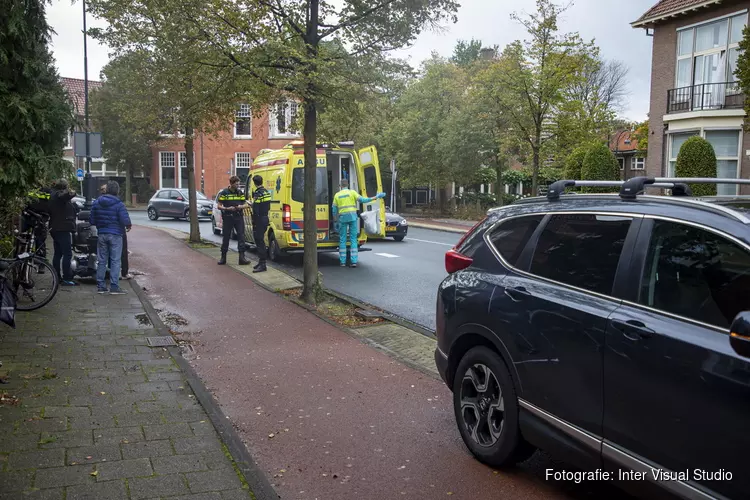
pixel 62 226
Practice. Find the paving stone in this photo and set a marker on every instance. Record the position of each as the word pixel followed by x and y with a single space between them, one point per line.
pixel 204 428
pixel 215 460
pixel 151 387
pixel 195 445
pixel 98 422
pixel 215 480
pixel 92 400
pixel 164 486
pixel 36 459
pixel 178 463
pixel 36 494
pixel 114 409
pixel 109 490
pixel 67 411
pixel 105 373
pixel 36 426
pixel 123 469
pixel 166 377
pixel 15 480
pixel 214 495
pixel 242 494
pixel 131 419
pixel 153 406
pixel 147 449
pixel 19 443
pixel 98 453
pixel 119 436
pixel 38 399
pixel 179 430
pixel 64 476
pixel 67 439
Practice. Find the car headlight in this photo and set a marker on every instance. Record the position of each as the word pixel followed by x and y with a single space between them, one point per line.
pixel 403 222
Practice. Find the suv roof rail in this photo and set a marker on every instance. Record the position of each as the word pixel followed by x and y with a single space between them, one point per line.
pixel 630 188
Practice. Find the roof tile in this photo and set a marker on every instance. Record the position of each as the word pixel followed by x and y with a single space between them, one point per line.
pixel 669 6
pixel 75 89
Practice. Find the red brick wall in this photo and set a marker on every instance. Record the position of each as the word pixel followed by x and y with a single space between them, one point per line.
pixel 218 152
pixel 664 61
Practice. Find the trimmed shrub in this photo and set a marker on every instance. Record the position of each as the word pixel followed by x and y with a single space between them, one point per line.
pixel 697 159
pixel 573 164
pixel 599 164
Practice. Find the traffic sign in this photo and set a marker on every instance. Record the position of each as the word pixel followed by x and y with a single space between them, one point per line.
pixel 79 174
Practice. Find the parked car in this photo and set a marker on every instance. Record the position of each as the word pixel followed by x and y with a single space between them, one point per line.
pixel 171 202
pixel 396 226
pixel 613 331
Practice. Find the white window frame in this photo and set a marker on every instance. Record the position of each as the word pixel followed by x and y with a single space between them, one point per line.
pixel 693 54
pixel 237 165
pixel 672 156
pixel 182 155
pixel 162 166
pixel 411 197
pixel 621 161
pixel 244 113
pixel 638 163
pixel 291 111
pixel 68 140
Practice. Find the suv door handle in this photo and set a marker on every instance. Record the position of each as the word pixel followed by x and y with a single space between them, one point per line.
pixel 517 294
pixel 633 329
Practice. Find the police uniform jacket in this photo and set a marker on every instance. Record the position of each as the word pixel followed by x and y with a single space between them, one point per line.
pixel 231 199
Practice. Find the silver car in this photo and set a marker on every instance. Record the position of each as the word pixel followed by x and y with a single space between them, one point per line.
pixel 173 202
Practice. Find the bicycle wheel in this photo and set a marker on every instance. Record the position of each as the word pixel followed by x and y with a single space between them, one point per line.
pixel 34 281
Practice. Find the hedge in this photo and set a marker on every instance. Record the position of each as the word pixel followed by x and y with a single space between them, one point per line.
pixel 697 159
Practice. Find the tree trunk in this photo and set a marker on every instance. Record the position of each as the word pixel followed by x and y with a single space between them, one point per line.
pixel 310 259
pixel 310 279
pixel 129 184
pixel 535 171
pixel 195 230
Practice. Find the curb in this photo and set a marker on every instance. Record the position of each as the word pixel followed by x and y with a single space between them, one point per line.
pixel 438 228
pixel 260 487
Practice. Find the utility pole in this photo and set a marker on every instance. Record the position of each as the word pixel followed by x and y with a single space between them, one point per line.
pixel 87 178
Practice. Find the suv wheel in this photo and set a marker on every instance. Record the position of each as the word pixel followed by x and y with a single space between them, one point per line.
pixel 152 214
pixel 486 409
pixel 187 214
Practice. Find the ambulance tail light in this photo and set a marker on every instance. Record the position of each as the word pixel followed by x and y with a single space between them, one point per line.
pixel 286 218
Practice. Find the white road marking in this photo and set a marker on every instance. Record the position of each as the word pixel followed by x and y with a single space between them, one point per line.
pixel 433 242
pixel 389 255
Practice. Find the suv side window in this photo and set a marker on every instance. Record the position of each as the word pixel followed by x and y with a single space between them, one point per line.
pixel 696 274
pixel 163 195
pixel 581 250
pixel 511 236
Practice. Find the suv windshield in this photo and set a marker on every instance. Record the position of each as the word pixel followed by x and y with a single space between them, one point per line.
pixel 198 194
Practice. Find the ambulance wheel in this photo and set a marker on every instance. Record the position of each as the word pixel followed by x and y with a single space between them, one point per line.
pixel 274 252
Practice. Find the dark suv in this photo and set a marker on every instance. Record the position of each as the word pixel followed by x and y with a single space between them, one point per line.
pixel 612 331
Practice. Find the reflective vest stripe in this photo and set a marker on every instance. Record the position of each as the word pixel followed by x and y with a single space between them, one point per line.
pixel 39 194
pixel 231 197
pixel 347 202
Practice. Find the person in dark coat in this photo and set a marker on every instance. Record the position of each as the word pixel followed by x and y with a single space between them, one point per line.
pixel 62 225
pixel 112 221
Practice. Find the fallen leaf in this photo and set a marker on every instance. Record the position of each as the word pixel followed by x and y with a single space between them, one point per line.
pixel 495 472
pixel 95 473
pixel 271 435
pixel 102 393
pixel 89 457
pixel 449 493
pixel 282 470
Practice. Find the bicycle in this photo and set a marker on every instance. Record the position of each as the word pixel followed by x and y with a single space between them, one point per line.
pixel 31 277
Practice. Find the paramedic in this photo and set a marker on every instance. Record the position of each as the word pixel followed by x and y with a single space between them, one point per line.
pixel 231 202
pixel 345 213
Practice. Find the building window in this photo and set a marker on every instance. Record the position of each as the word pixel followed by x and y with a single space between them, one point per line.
pixel 283 119
pixel 621 161
pixel 639 163
pixel 167 169
pixel 242 162
pixel 243 125
pixel 726 144
pixel 406 196
pixel 706 61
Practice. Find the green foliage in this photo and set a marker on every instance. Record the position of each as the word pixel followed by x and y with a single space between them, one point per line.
pixel 697 159
pixel 34 110
pixel 144 191
pixel 599 164
pixel 742 74
pixel 641 136
pixel 574 163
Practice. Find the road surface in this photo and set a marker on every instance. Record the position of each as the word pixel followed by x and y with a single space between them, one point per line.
pixel 398 277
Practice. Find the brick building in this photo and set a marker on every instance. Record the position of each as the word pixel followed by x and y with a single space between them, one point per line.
pixel 217 157
pixel 693 87
pixel 632 160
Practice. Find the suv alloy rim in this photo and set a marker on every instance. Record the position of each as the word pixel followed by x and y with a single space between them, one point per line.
pixel 482 405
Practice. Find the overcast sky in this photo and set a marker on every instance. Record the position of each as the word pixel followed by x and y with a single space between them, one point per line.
pixel 606 21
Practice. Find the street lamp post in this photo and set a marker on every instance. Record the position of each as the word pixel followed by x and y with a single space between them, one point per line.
pixel 87 177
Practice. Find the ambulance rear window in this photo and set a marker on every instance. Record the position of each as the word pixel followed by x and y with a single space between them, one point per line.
pixel 371 181
pixel 321 185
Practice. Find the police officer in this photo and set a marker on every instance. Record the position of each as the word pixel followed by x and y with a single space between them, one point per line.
pixel 261 206
pixel 39 202
pixel 231 202
pixel 345 212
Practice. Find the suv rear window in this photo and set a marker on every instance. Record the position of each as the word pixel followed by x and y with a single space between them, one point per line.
pixel 511 236
pixel 581 250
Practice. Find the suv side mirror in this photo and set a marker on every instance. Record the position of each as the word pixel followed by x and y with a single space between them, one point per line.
pixel 739 334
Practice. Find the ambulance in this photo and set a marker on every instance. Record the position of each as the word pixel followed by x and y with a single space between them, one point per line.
pixel 283 176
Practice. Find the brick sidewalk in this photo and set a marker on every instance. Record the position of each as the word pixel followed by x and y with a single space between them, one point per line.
pixel 99 414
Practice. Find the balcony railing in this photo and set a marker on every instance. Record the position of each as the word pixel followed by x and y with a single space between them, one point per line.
pixel 705 97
